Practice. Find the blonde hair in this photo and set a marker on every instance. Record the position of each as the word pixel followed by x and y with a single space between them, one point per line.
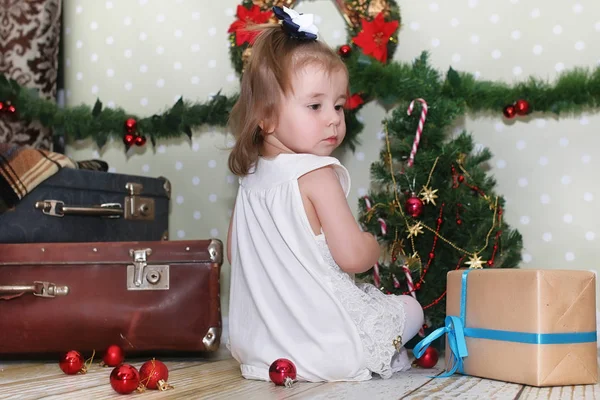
pixel 267 75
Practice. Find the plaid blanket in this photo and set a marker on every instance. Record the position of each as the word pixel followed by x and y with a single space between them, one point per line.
pixel 22 169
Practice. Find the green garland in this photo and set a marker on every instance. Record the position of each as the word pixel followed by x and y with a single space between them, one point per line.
pixel 100 123
pixel 574 91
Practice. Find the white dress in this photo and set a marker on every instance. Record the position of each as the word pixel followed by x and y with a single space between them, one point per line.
pixel 288 298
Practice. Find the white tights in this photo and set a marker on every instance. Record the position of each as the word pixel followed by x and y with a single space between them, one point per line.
pixel 414 317
pixel 414 322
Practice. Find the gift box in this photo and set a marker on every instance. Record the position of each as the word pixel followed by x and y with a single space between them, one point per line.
pixel 534 327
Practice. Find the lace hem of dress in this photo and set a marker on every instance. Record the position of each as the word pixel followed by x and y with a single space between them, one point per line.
pixel 379 318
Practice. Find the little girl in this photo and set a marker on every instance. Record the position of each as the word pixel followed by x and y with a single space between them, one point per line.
pixel 293 242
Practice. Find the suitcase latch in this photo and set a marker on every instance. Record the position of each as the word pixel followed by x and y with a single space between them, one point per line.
pixel 141 276
pixel 137 207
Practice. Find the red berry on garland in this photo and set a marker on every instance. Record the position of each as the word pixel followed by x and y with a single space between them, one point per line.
pixel 72 362
pixel 522 107
pixel 429 358
pixel 140 140
pixel 509 111
pixel 124 379
pixel 154 375
pixel 129 139
pixel 414 206
pixel 2 106
pixel 113 356
pixel 11 109
pixel 345 51
pixel 282 372
pixel 130 125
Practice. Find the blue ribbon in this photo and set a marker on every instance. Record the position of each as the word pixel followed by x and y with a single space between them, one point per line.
pixel 455 328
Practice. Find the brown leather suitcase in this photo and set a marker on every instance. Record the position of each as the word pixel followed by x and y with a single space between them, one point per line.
pixel 159 296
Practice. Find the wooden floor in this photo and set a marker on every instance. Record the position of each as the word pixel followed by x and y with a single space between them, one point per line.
pixel 219 378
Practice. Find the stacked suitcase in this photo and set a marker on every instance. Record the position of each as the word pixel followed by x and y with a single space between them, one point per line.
pixel 85 262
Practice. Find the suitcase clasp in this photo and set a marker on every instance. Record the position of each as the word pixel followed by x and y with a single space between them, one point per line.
pixel 136 207
pixel 141 276
pixel 139 261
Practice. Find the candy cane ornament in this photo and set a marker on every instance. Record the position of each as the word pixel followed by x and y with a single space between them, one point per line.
pixel 409 281
pixel 413 151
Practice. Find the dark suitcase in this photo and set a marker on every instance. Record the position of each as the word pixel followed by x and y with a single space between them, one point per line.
pixel 77 205
pixel 143 296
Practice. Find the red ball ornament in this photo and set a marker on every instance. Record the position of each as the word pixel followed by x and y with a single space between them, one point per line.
pixel 429 358
pixel 11 109
pixel 282 372
pixel 130 125
pixel 140 140
pixel 522 107
pixel 129 139
pixel 509 111
pixel 154 375
pixel 124 379
pixel 414 206
pixel 113 356
pixel 2 106
pixel 345 50
pixel 71 362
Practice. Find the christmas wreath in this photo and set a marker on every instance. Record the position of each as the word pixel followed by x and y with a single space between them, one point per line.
pixel 372 28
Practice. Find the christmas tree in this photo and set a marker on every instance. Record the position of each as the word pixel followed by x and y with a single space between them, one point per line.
pixel 432 205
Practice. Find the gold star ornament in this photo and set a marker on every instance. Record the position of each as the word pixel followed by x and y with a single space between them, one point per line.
pixel 428 195
pixel 415 230
pixel 475 262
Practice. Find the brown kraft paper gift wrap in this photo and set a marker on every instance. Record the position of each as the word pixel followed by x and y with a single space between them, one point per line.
pixel 529 301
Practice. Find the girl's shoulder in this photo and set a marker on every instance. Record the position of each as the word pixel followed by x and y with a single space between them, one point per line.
pixel 287 168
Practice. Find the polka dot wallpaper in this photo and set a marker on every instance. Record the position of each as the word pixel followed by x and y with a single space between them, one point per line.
pixel 143 54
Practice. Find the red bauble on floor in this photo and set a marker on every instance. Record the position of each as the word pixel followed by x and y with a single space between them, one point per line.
pixel 124 379
pixel 282 372
pixel 154 375
pixel 113 356
pixel 71 362
pixel 428 359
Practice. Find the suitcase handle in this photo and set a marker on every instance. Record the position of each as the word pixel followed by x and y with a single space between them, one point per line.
pixel 137 208
pixel 57 208
pixel 40 289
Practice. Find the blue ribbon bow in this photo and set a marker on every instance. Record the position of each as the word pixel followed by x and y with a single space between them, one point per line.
pixel 290 27
pixel 457 332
